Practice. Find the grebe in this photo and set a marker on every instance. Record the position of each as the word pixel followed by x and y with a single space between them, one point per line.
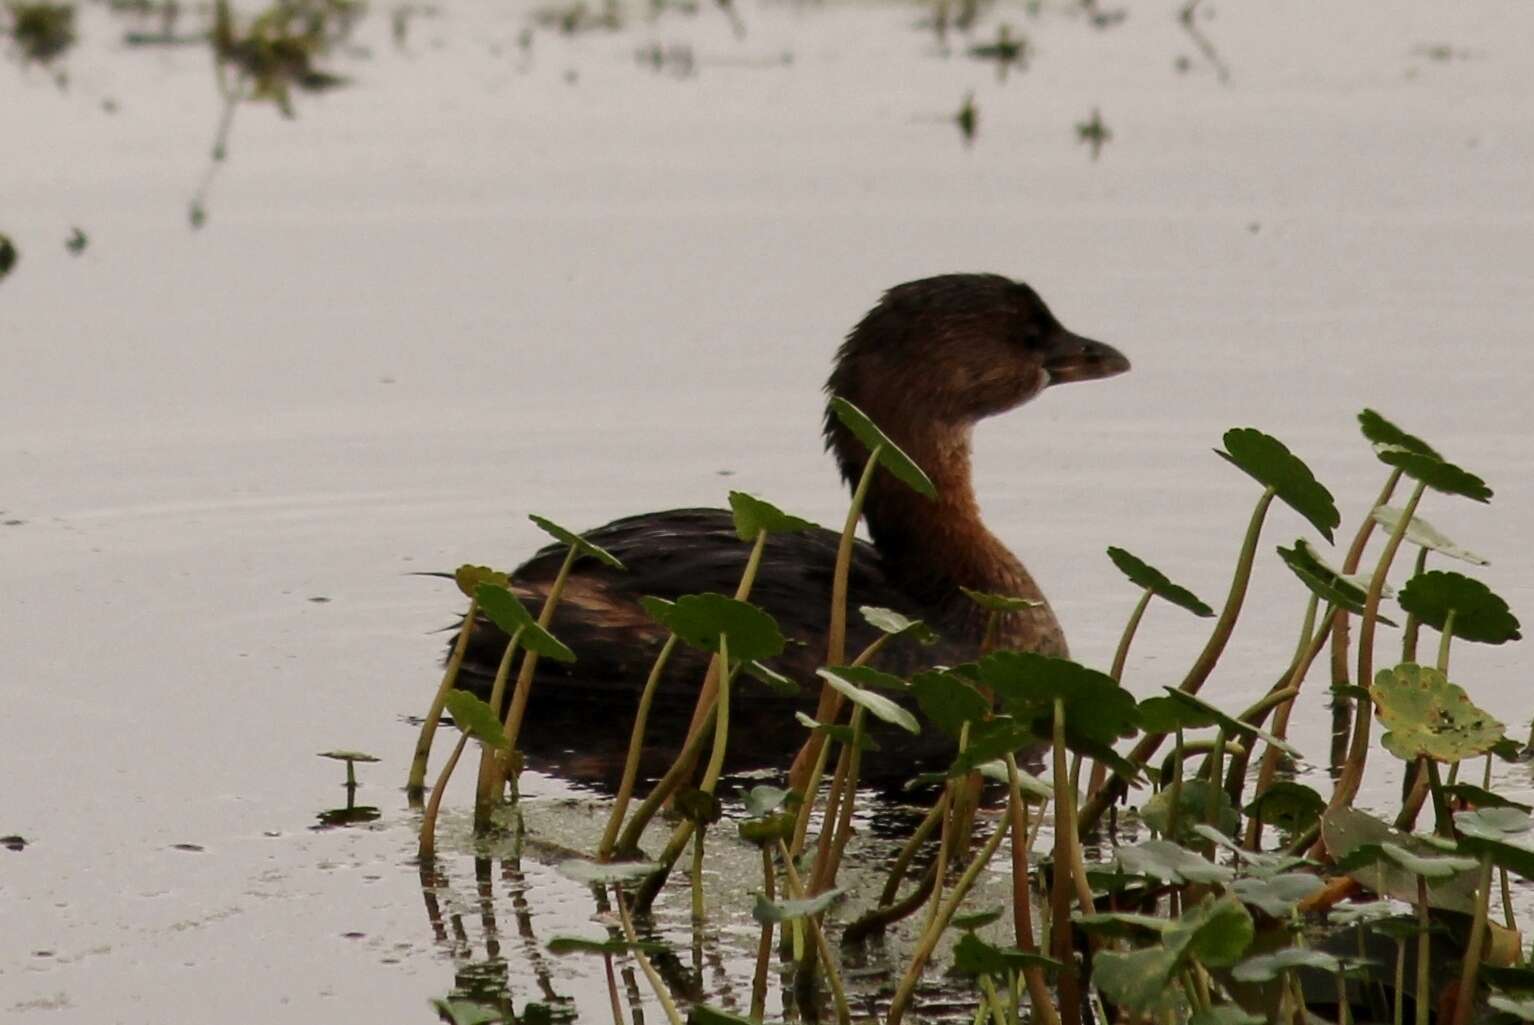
pixel 934 357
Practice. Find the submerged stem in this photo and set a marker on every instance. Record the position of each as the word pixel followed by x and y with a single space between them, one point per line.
pixel 415 785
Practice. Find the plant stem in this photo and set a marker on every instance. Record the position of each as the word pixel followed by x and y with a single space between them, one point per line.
pixel 1472 965
pixel 1424 952
pixel 934 930
pixel 1117 785
pixel 530 659
pixel 428 845
pixel 1341 705
pixel 661 993
pixel 1269 767
pixel 1022 912
pixel 912 845
pixel 764 947
pixel 1443 643
pixel 796 889
pixel 1064 872
pixel 415 784
pixel 484 791
pixel 636 744
pixel 1358 751
pixel 629 839
pixel 1413 625
pixel 836 634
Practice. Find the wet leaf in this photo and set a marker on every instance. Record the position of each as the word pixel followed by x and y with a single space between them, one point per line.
pixel 1382 432
pixel 1292 807
pixel 1438 474
pixel 474 717
pixel 469 578
pixel 1426 715
pixel 582 945
pixel 456 1011
pixel 702 1014
pixel 1122 924
pixel 890 455
pixel 699 806
pixel 1216 932
pixel 1325 582
pixel 1229 723
pixel 1482 798
pixel 1156 582
pixel 974 956
pixel 699 619
pixel 769 830
pixel 1435 868
pixel 1192 809
pixel 764 800
pixel 1266 460
pixel 753 515
pixel 949 700
pixel 1521 1008
pixel 1254 864
pixel 1479 614
pixel 1278 896
pixel 839 732
pixel 349 756
pixel 774 680
pixel 873 679
pixel 1029 683
pixel 877 704
pixel 1424 535
pixel 767 911
pixel 611 872
pixel 1166 861
pixel 1500 834
pixel 1000 602
pixel 977 919
pixel 1267 967
pixel 574 540
pixel 1345 829
pixel 506 612
pixel 1161 714
pixel 1138 980
pixel 896 625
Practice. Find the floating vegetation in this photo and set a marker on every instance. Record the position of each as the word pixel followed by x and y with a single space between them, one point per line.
pixel 1187 17
pixel 1201 922
pixel 76 242
pixel 40 32
pixel 968 119
pixel 1005 51
pixel 8 255
pixel 1094 133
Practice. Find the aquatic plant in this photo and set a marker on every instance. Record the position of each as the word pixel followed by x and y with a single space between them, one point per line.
pixel 1201 921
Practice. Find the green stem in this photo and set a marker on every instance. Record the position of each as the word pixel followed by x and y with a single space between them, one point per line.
pixel 428 845
pixel 822 948
pixel 697 874
pixel 1358 751
pixel 1473 947
pixel 1064 871
pixel 415 784
pixel 934 930
pixel 1121 654
pixel 1424 953
pixel 1398 1014
pixel 661 993
pixel 1269 767
pixel 530 659
pixel 636 744
pixel 629 839
pixel 1022 911
pixel 764 947
pixel 1413 625
pixel 1117 785
pixel 912 845
pixel 1174 814
pixel 1443 643
pixel 489 773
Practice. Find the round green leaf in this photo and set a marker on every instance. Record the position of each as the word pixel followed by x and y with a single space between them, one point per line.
pixel 1162 714
pixel 1029 683
pixel 474 717
pixel 839 732
pixel 974 956
pixel 1166 861
pixel 1000 602
pixel 890 455
pixel 764 800
pixel 574 540
pixel 1479 615
pixel 1156 582
pixel 603 873
pixel 702 1014
pixel 699 619
pixel 1473 795
pixel 698 806
pixel 949 700
pixel 1192 810
pixel 976 919
pixel 1292 807
pixel 1269 462
pixel 1229 723
pixel 879 705
pixel 1426 715
pixel 468 578
pixel 1267 967
pixel 1279 896
pixel 989 740
pixel 1382 432
pixel 1122 924
pixel 462 1012
pixel 506 612
pixel 774 680
pixel 349 756
pixel 1325 582
pixel 1437 474
pixel 1501 834
pixel 893 623
pixel 1139 980
pixel 769 830
pixel 1215 933
pixel 752 516
pixel 582 945
pixel 1424 535
pixel 1432 867
pixel 767 911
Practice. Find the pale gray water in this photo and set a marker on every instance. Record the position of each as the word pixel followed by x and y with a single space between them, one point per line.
pixel 467 288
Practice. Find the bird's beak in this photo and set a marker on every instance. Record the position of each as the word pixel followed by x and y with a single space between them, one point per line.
pixel 1074 358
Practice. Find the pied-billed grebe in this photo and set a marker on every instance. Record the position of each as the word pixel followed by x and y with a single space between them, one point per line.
pixel 930 360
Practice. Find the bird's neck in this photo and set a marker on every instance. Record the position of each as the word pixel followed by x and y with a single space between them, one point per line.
pixel 931 548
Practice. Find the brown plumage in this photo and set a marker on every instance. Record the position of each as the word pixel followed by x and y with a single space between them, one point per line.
pixel 928 362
